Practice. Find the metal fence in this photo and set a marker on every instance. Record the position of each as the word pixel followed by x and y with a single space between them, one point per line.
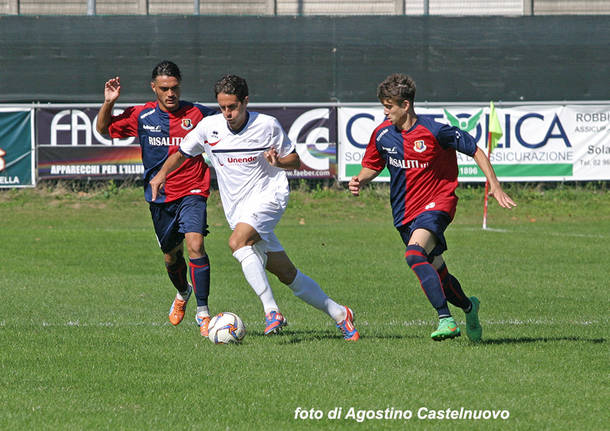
pixel 305 7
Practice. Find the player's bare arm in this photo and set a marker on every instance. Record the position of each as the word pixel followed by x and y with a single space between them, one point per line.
pixel 495 189
pixel 290 161
pixel 365 176
pixel 112 91
pixel 170 165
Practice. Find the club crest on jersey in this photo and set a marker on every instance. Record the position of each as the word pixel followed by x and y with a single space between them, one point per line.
pixel 187 124
pixel 419 146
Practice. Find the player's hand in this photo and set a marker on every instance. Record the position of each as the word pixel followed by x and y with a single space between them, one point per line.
pixel 155 184
pixel 354 186
pixel 503 199
pixel 271 156
pixel 112 90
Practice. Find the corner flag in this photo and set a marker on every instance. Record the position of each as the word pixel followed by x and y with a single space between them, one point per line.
pixel 495 131
pixel 494 134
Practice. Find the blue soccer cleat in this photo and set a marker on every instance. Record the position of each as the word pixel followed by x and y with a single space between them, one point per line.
pixel 274 322
pixel 347 328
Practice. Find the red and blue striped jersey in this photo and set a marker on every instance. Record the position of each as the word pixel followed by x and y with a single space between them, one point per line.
pixel 422 164
pixel 160 134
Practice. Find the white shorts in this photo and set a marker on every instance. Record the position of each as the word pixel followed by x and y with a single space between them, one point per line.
pixel 263 215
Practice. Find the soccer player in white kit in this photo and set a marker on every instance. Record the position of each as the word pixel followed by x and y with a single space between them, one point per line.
pixel 250 152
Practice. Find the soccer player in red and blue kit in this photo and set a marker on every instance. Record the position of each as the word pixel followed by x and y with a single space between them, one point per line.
pixel 420 155
pixel 179 211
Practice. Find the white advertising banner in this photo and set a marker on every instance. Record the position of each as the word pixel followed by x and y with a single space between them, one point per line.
pixel 539 143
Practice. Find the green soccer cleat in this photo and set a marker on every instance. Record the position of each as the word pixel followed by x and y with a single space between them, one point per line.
pixel 447 328
pixel 473 326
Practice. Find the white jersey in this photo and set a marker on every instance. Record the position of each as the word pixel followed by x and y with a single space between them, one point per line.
pixel 245 177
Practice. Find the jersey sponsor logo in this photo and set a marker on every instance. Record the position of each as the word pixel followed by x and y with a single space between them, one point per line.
pixel 240 160
pixel 430 205
pixel 389 150
pixel 407 164
pixel 150 128
pixel 419 146
pixel 187 124
pixel 164 141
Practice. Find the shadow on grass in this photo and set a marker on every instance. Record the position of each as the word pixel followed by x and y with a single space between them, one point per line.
pixel 524 340
pixel 289 336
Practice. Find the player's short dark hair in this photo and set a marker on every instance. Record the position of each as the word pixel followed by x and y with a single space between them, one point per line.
pixel 166 68
pixel 232 84
pixel 397 87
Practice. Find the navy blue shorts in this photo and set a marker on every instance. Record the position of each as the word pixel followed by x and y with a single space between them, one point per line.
pixel 433 221
pixel 172 220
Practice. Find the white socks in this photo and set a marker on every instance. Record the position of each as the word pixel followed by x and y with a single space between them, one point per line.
pixel 309 291
pixel 303 287
pixel 254 271
pixel 203 311
pixel 260 248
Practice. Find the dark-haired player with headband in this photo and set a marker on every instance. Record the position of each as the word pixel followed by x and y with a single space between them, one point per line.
pixel 250 153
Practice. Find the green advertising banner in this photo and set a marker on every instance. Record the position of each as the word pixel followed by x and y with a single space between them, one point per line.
pixel 17 161
pixel 540 142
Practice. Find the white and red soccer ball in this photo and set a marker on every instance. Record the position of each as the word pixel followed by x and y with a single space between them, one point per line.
pixel 226 328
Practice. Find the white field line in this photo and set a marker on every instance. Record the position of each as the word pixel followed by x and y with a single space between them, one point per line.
pixel 393 323
pixel 514 322
pixel 573 235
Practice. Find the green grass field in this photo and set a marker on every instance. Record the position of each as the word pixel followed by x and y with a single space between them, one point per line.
pixel 85 342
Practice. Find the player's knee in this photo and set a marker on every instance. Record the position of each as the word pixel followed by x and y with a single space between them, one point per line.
pixel 416 255
pixel 195 248
pixel 238 241
pixel 235 243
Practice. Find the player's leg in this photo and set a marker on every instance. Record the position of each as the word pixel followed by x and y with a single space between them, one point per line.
pixel 241 242
pixel 307 289
pixel 456 296
pixel 451 286
pixel 303 287
pixel 199 268
pixel 192 220
pixel 171 243
pixel 176 268
pixel 420 243
pixel 424 239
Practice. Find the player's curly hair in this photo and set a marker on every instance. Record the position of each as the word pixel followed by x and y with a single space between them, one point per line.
pixel 232 84
pixel 397 87
pixel 166 68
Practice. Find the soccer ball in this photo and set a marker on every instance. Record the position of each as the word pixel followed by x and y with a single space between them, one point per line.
pixel 225 328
